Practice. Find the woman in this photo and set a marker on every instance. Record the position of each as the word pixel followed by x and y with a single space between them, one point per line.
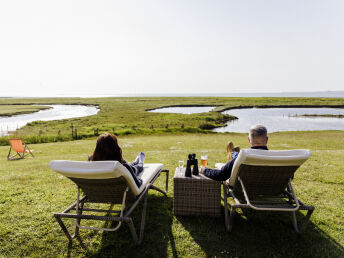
pixel 232 151
pixel 107 148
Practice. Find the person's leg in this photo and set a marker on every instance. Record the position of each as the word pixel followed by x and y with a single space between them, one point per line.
pixel 139 159
pixel 137 165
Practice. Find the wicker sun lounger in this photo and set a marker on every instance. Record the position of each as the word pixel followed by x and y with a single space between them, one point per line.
pixel 261 180
pixel 106 182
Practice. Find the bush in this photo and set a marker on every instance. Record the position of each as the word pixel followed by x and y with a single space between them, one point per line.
pixel 207 126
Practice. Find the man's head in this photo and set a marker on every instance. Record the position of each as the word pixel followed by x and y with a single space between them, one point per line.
pixel 258 135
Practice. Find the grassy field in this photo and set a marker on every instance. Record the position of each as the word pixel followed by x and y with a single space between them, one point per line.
pixel 11 110
pixel 129 115
pixel 30 192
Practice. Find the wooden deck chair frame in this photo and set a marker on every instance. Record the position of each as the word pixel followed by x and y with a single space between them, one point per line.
pixel 103 188
pixel 21 149
pixel 261 180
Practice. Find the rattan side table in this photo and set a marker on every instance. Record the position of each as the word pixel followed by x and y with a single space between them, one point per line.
pixel 196 195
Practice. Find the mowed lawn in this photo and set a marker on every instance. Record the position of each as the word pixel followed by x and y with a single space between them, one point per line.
pixel 30 193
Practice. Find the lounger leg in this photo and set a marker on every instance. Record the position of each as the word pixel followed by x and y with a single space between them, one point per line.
pixel 167 176
pixel 30 152
pixel 26 148
pixel 310 210
pixel 231 217
pixel 78 221
pixel 9 153
pixel 143 218
pixel 225 206
pixel 132 229
pixel 158 189
pixel 12 157
pixel 293 219
pixel 306 219
pixel 62 225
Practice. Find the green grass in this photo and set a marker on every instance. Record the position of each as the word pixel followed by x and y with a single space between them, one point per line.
pixel 30 193
pixel 11 110
pixel 124 116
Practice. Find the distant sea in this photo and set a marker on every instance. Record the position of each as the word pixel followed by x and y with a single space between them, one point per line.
pixel 314 94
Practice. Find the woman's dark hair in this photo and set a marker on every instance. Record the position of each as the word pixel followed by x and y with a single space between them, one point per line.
pixel 107 148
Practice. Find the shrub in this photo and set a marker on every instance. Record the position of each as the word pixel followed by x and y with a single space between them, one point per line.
pixel 207 126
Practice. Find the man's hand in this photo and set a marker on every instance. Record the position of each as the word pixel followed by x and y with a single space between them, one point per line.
pixel 201 169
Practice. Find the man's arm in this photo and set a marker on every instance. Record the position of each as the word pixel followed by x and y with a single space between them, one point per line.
pixel 220 174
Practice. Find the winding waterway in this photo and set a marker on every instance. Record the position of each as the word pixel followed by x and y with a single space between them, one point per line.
pixel 275 119
pixel 56 112
pixel 183 110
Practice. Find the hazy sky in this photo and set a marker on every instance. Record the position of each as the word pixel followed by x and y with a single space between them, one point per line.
pixel 68 47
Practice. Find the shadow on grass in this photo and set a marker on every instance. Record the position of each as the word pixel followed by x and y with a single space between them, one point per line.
pixel 254 234
pixel 260 234
pixel 157 234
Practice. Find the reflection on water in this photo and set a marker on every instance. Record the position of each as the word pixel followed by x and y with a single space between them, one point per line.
pixel 283 119
pixel 57 112
pixel 183 110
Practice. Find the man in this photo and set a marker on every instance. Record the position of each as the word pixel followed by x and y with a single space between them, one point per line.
pixel 258 139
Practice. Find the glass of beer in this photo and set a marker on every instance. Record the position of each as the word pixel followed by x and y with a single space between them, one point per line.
pixel 204 159
pixel 181 164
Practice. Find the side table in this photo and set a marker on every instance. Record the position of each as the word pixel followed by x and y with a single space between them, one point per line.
pixel 196 195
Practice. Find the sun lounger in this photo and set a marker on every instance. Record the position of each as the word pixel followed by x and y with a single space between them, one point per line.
pixel 106 182
pixel 261 180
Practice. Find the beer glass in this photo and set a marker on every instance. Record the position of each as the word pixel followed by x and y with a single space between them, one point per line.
pixel 181 164
pixel 204 159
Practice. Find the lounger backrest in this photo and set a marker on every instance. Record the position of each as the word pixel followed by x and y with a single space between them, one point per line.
pixel 17 145
pixel 97 178
pixel 271 163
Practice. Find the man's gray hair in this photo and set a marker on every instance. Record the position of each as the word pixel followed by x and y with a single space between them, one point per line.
pixel 258 131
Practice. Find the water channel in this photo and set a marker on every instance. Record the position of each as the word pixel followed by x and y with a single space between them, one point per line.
pixel 56 112
pixel 275 119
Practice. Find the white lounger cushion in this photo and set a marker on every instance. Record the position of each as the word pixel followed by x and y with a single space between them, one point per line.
pixel 104 170
pixel 257 157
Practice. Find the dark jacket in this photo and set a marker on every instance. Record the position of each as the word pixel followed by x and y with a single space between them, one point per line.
pixel 225 172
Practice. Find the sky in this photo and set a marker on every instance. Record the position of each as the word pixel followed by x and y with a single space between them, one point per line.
pixel 99 48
